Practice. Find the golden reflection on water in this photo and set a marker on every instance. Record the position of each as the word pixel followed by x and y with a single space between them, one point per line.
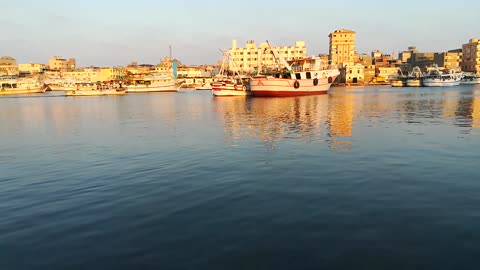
pixel 275 119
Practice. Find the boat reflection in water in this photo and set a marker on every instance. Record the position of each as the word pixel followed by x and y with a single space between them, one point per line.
pixel 272 120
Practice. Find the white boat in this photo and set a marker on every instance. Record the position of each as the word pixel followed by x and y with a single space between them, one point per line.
pixel 60 84
pixel 435 78
pixel 414 78
pixel 205 86
pixel 154 84
pixel 226 85
pixel 16 86
pixel 309 76
pixel 470 78
pixel 97 89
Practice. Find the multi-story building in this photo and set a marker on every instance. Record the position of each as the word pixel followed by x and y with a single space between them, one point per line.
pixel 342 47
pixel 449 60
pixel 406 55
pixel 61 64
pixel 471 56
pixel 8 66
pixel 386 73
pixel 84 75
pixel 31 68
pixel 251 57
pixel 353 73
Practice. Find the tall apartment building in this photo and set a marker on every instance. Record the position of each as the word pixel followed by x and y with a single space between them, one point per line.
pixel 342 47
pixel 448 60
pixel 471 56
pixel 251 57
pixel 61 64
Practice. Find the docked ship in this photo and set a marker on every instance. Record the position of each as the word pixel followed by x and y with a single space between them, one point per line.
pixel 414 77
pixel 16 86
pixel 309 76
pixel 230 85
pixel 154 83
pixel 470 78
pixel 97 89
pixel 435 77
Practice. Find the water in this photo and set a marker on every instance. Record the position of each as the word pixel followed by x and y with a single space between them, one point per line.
pixel 363 178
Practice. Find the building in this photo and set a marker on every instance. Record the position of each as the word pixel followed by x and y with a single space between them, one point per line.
pixel 386 74
pixel 342 47
pixel 61 64
pixel 406 55
pixel 8 66
pixel 353 73
pixel 471 56
pixel 449 60
pixel 31 68
pixel 251 57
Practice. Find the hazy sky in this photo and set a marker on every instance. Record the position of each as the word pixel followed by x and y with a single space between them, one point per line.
pixel 116 32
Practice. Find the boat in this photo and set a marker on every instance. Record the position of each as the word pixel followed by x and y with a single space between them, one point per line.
pixel 308 76
pixel 17 86
pixel 414 78
pixel 226 84
pixel 97 89
pixel 470 78
pixel 435 78
pixel 204 86
pixel 154 83
pixel 60 84
pixel 397 83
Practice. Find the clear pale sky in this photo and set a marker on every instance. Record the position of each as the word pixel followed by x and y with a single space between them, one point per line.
pixel 116 32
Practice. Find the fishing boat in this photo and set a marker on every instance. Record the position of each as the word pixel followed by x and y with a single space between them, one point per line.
pixel 300 77
pixel 204 86
pixel 414 77
pixel 470 78
pixel 97 89
pixel 397 83
pixel 435 78
pixel 17 86
pixel 226 84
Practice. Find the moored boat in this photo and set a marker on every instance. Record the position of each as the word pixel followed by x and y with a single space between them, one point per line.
pixel 470 78
pixel 414 78
pixel 226 85
pixel 309 76
pixel 397 83
pixel 16 86
pixel 436 78
pixel 97 89
pixel 154 84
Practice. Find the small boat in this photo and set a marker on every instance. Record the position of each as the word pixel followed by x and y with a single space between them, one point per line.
pixel 152 83
pixel 397 83
pixel 205 86
pixel 414 78
pixel 435 78
pixel 16 86
pixel 97 89
pixel 309 76
pixel 233 85
pixel 470 78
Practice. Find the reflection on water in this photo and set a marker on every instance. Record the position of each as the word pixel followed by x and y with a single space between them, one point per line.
pixel 331 117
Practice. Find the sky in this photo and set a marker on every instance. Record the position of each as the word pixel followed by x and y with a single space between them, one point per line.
pixel 117 32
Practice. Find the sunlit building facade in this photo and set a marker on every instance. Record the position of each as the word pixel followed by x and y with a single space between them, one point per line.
pixel 342 47
pixel 471 56
pixel 251 57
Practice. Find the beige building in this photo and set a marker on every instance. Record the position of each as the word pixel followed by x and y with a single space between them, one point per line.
pixel 251 57
pixel 61 64
pixel 31 68
pixel 386 73
pixel 94 74
pixel 471 56
pixel 8 66
pixel 449 60
pixel 354 73
pixel 342 47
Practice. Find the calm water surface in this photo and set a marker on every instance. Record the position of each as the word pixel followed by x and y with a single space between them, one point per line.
pixel 362 178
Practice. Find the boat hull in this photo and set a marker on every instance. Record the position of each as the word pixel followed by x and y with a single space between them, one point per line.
pixel 440 83
pixel 20 91
pixel 414 83
pixel 470 81
pixel 279 87
pixel 397 83
pixel 226 92
pixel 146 88
pixel 102 92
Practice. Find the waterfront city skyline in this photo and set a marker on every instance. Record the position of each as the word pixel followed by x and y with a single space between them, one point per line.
pixel 115 33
